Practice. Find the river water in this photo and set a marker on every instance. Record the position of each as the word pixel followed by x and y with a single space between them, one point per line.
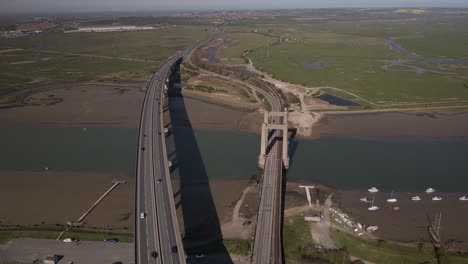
pixel 346 164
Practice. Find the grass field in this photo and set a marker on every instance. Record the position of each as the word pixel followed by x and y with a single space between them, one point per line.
pixel 386 253
pixel 438 45
pixel 108 57
pixel 357 59
pixel 244 42
pixel 383 252
pixel 296 237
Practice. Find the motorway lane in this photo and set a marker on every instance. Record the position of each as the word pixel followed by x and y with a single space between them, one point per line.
pixel 159 231
pixel 165 220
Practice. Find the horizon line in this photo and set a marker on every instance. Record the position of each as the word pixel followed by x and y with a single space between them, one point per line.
pixel 224 10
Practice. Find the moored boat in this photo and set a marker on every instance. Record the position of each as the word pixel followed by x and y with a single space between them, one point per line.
pixel 373 207
pixel 430 190
pixel 373 190
pixel 463 198
pixel 416 198
pixel 365 200
pixel 391 199
pixel 436 198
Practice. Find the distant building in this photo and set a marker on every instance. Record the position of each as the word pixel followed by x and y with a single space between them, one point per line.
pixel 109 29
pixel 313 217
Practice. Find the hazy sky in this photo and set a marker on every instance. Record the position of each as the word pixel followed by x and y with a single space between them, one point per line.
pixel 29 6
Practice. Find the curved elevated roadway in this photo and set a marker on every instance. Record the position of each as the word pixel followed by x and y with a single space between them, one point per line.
pixel 157 229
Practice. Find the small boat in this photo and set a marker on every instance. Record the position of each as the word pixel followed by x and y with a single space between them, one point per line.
pixel 372 228
pixel 396 208
pixel 391 199
pixel 436 198
pixel 416 198
pixel 359 226
pixel 463 198
pixel 365 200
pixel 373 190
pixel 373 207
pixel 430 190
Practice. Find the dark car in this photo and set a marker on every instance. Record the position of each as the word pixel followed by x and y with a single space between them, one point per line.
pixel 154 254
pixel 174 250
pixel 112 240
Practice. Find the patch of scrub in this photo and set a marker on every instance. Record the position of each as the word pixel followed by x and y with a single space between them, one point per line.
pixel 241 69
pixel 315 65
pixel 335 100
pixel 397 47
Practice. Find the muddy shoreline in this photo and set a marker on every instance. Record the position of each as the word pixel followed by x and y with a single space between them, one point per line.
pixel 106 105
pixel 121 106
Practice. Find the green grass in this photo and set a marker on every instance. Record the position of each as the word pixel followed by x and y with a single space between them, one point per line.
pixel 358 70
pixel 244 42
pixel 238 246
pixel 438 46
pixel 151 44
pixel 233 246
pixel 353 44
pixel 454 258
pixel 296 237
pixel 7 235
pixel 155 45
pixel 383 252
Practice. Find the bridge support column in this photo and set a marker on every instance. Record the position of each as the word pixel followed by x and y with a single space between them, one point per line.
pixel 280 126
pixel 263 144
pixel 285 142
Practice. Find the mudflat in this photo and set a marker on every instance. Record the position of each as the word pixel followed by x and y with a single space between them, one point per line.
pixel 47 199
pixel 78 104
pixel 39 199
pixel 410 223
pixel 393 125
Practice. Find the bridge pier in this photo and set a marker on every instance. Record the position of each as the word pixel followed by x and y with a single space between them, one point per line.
pixel 274 121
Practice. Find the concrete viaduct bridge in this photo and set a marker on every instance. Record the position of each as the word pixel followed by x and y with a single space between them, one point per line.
pixel 157 234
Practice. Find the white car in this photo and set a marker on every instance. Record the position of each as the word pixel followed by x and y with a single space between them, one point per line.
pixel 142 215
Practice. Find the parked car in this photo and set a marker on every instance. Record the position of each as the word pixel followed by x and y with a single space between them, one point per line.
pixel 112 240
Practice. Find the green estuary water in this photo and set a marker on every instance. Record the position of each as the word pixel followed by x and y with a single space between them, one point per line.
pixel 347 164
